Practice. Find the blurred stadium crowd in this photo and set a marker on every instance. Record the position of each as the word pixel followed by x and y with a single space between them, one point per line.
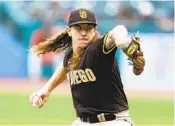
pixel 30 22
pixel 145 16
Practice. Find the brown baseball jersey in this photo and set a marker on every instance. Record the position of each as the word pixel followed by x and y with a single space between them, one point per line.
pixel 96 84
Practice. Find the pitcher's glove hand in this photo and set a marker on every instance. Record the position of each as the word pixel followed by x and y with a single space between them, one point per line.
pixel 138 63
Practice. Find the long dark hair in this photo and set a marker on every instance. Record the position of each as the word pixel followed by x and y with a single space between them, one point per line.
pixel 55 44
pixel 59 43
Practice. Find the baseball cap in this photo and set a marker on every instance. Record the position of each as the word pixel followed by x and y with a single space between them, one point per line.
pixel 80 16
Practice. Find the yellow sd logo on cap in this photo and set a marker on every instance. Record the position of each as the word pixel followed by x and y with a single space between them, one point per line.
pixel 83 14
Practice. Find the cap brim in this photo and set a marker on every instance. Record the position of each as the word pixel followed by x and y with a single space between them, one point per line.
pixel 82 22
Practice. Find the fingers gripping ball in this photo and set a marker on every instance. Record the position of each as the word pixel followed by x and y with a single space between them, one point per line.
pixel 36 101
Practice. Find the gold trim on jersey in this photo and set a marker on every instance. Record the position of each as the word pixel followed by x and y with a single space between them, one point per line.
pixel 109 50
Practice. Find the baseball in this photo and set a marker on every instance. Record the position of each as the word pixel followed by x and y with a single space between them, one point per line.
pixel 36 101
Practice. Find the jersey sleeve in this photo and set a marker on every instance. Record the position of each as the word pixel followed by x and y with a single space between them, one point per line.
pixel 99 47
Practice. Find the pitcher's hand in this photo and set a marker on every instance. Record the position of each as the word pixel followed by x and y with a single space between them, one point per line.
pixel 39 98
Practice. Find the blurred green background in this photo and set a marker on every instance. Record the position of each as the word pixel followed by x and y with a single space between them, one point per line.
pixel 16 110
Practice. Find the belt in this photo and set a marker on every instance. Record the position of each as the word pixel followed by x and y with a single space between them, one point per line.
pixel 99 118
pixel 105 117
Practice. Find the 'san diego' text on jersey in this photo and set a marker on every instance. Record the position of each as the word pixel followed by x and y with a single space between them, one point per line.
pixel 81 76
